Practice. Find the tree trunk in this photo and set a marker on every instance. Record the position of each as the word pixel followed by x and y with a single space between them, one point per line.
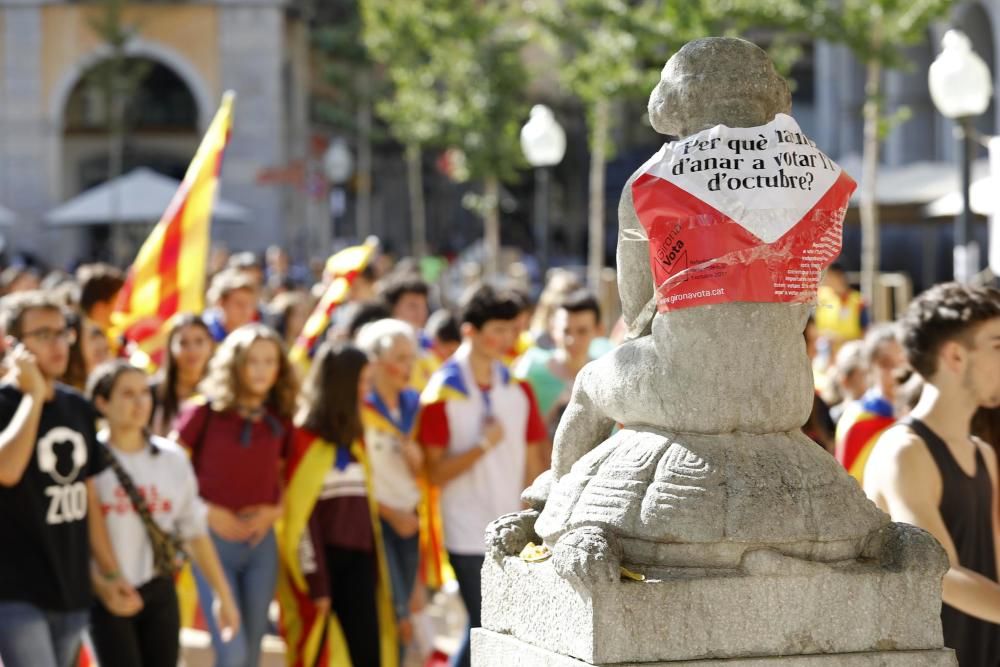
pixel 415 185
pixel 117 101
pixel 598 156
pixel 364 179
pixel 491 227
pixel 870 251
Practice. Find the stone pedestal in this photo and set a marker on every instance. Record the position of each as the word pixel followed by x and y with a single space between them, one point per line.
pixel 490 649
pixel 881 609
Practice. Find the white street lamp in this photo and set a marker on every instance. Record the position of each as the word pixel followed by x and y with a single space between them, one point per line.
pixel 543 142
pixel 961 88
pixel 338 165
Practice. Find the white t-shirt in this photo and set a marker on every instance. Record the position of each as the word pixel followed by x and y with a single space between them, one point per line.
pixel 392 478
pixel 167 481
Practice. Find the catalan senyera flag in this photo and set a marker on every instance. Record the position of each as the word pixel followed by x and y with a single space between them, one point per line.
pixel 168 275
pixel 343 268
pixel 313 639
pixel 859 429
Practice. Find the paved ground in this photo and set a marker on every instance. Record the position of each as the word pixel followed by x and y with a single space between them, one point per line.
pixel 439 629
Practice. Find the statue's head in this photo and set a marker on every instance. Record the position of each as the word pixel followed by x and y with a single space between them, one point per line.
pixel 717 81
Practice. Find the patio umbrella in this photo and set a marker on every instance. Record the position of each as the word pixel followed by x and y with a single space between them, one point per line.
pixel 140 196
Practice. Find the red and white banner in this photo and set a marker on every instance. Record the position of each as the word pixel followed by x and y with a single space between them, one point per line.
pixel 741 214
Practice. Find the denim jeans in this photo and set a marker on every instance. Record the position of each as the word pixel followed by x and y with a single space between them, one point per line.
pixel 33 637
pixel 402 555
pixel 468 573
pixel 252 573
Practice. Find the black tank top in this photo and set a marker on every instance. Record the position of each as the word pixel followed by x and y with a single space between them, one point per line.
pixel 967 510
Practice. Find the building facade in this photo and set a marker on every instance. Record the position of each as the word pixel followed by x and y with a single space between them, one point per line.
pixel 53 136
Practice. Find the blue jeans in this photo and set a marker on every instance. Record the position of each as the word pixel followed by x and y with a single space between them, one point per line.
pixel 33 637
pixel 401 555
pixel 468 573
pixel 252 573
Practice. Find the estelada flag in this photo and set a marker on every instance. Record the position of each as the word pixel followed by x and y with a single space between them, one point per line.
pixel 740 214
pixel 342 269
pixel 168 275
pixel 313 639
pixel 859 428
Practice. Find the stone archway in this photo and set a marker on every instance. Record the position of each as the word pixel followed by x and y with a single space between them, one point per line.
pixel 164 119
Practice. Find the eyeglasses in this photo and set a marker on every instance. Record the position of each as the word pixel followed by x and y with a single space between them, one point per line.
pixel 47 336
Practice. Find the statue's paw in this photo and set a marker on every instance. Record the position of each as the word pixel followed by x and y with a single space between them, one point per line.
pixel 509 534
pixel 535 495
pixel 588 555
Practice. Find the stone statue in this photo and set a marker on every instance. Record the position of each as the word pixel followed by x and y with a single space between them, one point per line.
pixel 710 483
pixel 733 378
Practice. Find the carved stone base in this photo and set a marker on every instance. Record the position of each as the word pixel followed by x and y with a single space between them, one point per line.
pixel 490 649
pixel 772 605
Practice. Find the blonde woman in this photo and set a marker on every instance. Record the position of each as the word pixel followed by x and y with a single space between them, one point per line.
pixel 239 437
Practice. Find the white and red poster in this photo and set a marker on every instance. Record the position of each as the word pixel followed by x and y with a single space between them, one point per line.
pixel 741 214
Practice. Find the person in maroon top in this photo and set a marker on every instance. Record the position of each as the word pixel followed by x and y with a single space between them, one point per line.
pixel 339 560
pixel 238 438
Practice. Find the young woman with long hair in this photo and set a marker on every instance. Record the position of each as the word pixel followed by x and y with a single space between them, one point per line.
pixel 188 351
pixel 332 558
pixel 160 473
pixel 239 438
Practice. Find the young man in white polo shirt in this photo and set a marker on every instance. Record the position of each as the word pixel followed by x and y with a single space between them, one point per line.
pixel 481 430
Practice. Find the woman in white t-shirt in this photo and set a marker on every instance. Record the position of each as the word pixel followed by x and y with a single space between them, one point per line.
pixel 389 414
pixel 163 476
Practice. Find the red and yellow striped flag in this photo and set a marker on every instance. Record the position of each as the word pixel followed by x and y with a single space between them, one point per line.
pixel 343 268
pixel 168 275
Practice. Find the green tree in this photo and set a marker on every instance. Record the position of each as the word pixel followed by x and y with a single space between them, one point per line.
pixel 350 86
pixel 877 32
pixel 609 50
pixel 119 77
pixel 401 38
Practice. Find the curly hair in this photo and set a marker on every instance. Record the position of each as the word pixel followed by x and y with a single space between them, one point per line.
pixel 946 312
pixel 221 384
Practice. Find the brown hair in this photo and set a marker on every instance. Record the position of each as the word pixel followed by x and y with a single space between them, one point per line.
pixel 76 366
pixel 221 384
pixel 166 391
pixel 330 406
pixel 946 312
pixel 98 283
pixel 14 306
pixel 101 383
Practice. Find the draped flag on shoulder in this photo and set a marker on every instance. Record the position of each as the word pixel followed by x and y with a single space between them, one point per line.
pixel 314 638
pixel 342 269
pixel 168 275
pixel 859 429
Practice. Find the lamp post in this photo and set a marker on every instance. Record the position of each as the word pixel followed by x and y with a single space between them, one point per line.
pixel 961 88
pixel 544 144
pixel 338 165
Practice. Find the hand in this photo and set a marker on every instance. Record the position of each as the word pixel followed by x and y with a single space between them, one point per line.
pixel 227 525
pixel 493 432
pixel 259 521
pixel 322 606
pixel 227 615
pixel 406 524
pixel 405 629
pixel 413 455
pixel 118 597
pixel 25 374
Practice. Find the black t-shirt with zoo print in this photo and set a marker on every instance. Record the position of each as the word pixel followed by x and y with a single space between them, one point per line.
pixel 44 546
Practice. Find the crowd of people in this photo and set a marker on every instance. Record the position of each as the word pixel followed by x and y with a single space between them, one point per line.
pixel 344 492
